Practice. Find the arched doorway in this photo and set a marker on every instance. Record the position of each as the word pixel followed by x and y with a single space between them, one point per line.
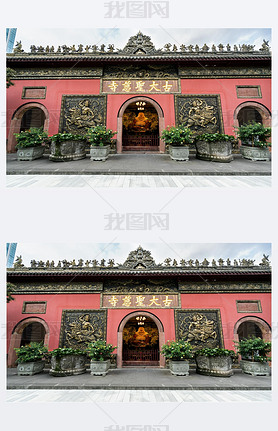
pixel 140 338
pixel 140 124
pixel 252 326
pixel 26 331
pixel 247 112
pixel 30 115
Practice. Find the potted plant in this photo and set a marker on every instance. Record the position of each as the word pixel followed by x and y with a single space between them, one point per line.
pixel 214 362
pixel 177 138
pixel 254 145
pixel 214 147
pixel 100 353
pixel 100 140
pixel 30 143
pixel 66 361
pixel 30 359
pixel 178 353
pixel 66 147
pixel 254 359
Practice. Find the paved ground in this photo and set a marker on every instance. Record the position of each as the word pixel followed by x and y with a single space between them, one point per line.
pixel 136 181
pixel 139 379
pixel 137 164
pixel 135 396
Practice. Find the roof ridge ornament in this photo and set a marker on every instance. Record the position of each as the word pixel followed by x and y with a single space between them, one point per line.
pixel 139 44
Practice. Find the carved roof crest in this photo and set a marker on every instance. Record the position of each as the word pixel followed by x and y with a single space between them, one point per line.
pixel 139 259
pixel 139 44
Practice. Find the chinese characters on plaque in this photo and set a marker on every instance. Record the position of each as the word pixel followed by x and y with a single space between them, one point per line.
pixel 139 301
pixel 140 86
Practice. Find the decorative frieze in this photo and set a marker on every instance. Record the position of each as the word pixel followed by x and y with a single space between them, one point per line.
pixel 79 327
pixel 224 72
pixel 150 71
pixel 200 327
pixel 207 287
pixel 200 113
pixel 57 72
pixel 139 286
pixel 64 288
pixel 80 112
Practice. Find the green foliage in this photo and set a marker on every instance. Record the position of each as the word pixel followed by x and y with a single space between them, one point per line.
pixel 177 136
pixel 33 137
pixel 63 351
pixel 214 352
pixel 177 350
pixel 100 136
pixel 100 351
pixel 62 137
pixel 255 133
pixel 31 352
pixel 253 349
pixel 214 137
pixel 10 288
pixel 9 76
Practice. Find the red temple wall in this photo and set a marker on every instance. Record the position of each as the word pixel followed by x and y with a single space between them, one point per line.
pixel 56 88
pixel 227 90
pixel 56 303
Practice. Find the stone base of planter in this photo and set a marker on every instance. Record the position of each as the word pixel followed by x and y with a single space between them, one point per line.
pixel 218 366
pixel 67 151
pixel 99 368
pixel 30 368
pixel 68 365
pixel 214 151
pixel 255 368
pixel 31 153
pixel 180 154
pixel 179 368
pixel 255 153
pixel 99 154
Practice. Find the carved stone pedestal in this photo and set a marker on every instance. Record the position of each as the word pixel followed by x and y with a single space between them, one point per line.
pixel 30 368
pixel 218 366
pixel 179 368
pixel 67 151
pixel 99 153
pixel 99 368
pixel 255 153
pixel 214 151
pixel 255 368
pixel 68 365
pixel 180 154
pixel 31 153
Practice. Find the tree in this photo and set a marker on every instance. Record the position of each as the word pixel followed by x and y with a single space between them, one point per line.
pixel 10 288
pixel 10 73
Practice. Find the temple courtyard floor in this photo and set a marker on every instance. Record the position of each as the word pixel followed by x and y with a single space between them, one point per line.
pixel 137 170
pixel 137 385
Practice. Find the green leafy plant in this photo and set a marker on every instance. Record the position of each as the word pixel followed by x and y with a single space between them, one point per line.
pixel 100 136
pixel 253 349
pixel 214 137
pixel 33 137
pixel 100 351
pixel 63 351
pixel 10 74
pixel 177 136
pixel 10 288
pixel 254 134
pixel 215 352
pixel 177 350
pixel 62 137
pixel 32 352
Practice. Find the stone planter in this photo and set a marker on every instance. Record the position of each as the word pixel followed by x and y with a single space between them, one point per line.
pixel 99 153
pixel 67 151
pixel 255 153
pixel 220 151
pixel 255 368
pixel 99 368
pixel 179 368
pixel 218 366
pixel 31 153
pixel 67 365
pixel 30 368
pixel 180 154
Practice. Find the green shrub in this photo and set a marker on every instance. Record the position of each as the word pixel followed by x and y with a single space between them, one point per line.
pixel 33 137
pixel 177 350
pixel 177 136
pixel 255 133
pixel 253 349
pixel 63 351
pixel 100 136
pixel 62 137
pixel 100 351
pixel 214 137
pixel 31 352
pixel 214 352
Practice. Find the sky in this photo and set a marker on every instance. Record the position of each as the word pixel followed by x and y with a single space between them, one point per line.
pixel 159 251
pixel 159 36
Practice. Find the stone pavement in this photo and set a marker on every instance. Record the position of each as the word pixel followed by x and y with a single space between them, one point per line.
pixel 140 379
pixel 137 164
pixel 136 181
